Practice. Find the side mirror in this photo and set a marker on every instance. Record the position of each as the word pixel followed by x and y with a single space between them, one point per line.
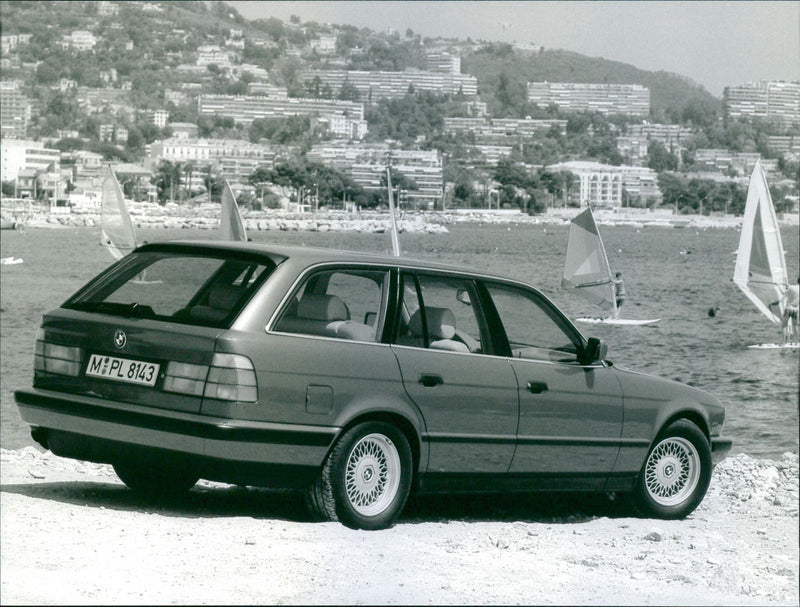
pixel 462 295
pixel 596 349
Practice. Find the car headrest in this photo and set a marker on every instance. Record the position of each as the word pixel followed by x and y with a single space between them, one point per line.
pixel 322 307
pixel 441 323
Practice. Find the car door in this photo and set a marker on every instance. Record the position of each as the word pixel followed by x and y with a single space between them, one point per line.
pixel 324 361
pixel 570 413
pixel 467 398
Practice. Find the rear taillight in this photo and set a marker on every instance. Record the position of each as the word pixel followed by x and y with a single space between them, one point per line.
pixel 232 377
pixel 185 378
pixel 55 358
pixel 229 377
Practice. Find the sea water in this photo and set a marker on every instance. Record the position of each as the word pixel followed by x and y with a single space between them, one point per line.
pixel 675 274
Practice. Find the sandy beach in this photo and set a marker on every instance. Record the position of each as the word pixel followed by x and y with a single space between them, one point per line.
pixel 73 534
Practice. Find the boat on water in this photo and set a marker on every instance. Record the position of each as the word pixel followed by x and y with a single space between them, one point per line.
pixel 11 261
pixel 231 226
pixel 586 270
pixel 117 232
pixel 760 269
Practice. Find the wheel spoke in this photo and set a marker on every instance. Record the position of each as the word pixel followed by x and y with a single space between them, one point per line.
pixel 672 471
pixel 372 474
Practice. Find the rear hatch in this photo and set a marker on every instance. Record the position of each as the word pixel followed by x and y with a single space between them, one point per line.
pixel 144 330
pixel 127 360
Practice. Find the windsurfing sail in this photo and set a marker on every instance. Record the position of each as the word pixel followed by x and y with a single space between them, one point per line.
pixel 117 233
pixel 760 270
pixel 586 268
pixel 231 226
pixel 395 239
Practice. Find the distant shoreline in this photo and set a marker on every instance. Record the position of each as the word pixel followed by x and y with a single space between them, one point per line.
pixel 146 215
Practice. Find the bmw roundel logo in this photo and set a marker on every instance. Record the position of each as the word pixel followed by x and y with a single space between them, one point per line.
pixel 120 339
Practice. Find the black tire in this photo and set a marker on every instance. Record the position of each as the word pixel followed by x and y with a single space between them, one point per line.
pixel 155 480
pixel 676 474
pixel 366 478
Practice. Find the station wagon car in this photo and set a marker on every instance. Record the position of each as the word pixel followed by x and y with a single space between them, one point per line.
pixel 357 379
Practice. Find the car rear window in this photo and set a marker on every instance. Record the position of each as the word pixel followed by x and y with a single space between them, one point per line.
pixel 187 288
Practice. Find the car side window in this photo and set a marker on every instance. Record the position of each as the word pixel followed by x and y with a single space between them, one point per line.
pixel 344 304
pixel 534 330
pixel 438 313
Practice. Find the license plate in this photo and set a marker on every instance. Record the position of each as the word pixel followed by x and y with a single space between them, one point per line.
pixel 122 369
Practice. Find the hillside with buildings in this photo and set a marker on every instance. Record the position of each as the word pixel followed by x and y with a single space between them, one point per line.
pixel 179 96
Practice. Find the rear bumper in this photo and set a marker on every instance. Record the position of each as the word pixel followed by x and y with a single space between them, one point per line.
pixel 104 429
pixel 719 448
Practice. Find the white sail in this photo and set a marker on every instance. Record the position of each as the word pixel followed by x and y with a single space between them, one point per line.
pixel 117 233
pixel 230 221
pixel 586 268
pixel 760 270
pixel 395 238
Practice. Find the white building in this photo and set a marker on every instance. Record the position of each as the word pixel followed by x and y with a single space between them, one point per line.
pixel 21 154
pixel 81 40
pixel 213 55
pixel 324 45
pixel 235 159
pixel 602 185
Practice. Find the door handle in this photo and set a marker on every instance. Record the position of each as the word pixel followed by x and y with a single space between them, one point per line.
pixel 537 387
pixel 429 380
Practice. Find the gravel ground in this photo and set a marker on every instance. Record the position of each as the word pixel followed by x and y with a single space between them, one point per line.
pixel 71 533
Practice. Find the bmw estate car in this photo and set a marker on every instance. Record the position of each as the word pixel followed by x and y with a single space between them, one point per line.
pixel 357 379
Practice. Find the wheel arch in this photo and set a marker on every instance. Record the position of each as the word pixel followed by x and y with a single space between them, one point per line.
pixel 405 425
pixel 691 415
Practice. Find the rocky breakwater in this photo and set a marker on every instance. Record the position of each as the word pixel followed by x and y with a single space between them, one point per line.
pixel 206 217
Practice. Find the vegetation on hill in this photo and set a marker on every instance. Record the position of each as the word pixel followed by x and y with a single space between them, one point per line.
pixel 503 74
pixel 143 49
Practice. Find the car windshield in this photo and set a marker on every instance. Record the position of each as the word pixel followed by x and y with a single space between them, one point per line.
pixel 200 289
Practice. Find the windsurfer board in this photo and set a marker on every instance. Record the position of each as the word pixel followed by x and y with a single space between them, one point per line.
pixel 619 321
pixel 787 346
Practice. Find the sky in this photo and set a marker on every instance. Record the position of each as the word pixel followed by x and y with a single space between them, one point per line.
pixel 716 44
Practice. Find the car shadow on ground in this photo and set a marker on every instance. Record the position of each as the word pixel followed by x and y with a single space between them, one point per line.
pixel 561 507
pixel 209 500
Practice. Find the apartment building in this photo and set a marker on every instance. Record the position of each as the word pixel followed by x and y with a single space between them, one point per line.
pixel 324 45
pixel 18 155
pixel 80 40
pixel 366 164
pixel 235 159
pixel 725 161
pixel 788 145
pixel 345 118
pixel 213 55
pixel 113 133
pixel 94 100
pixel 602 185
pixel 492 154
pixel 773 100
pixel 671 135
pixel 446 63
pixel 634 145
pixel 373 86
pixel 633 149
pixel 15 110
pixel 265 89
pixel 485 128
pixel 184 130
pixel 629 99
pixel 11 42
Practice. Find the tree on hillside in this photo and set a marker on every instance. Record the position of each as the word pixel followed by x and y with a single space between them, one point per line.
pixel 168 180
pixel 659 158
